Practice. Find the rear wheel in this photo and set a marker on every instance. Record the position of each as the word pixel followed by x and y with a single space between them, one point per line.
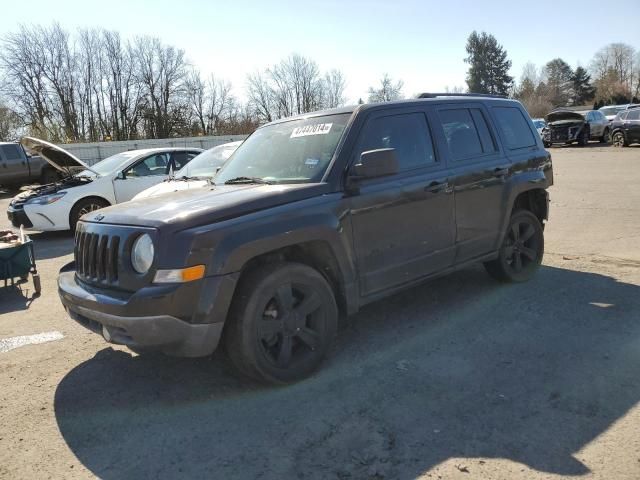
pixel 618 140
pixel 522 249
pixel 84 206
pixel 605 136
pixel 282 321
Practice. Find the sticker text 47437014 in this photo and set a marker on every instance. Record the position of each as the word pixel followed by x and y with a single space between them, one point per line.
pixel 315 129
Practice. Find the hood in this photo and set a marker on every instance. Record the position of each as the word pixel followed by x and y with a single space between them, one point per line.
pixel 57 157
pixel 170 186
pixel 203 206
pixel 563 116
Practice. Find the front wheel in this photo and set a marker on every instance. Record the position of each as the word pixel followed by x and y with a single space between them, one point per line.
pixel 583 138
pixel 522 248
pixel 282 321
pixel 618 140
pixel 84 206
pixel 605 136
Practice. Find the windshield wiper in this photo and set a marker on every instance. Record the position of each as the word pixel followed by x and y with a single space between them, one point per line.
pixel 232 181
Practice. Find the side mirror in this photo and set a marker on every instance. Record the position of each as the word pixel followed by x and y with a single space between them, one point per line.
pixel 121 175
pixel 376 163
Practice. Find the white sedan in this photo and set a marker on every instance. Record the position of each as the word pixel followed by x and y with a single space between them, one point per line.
pixel 196 174
pixel 116 179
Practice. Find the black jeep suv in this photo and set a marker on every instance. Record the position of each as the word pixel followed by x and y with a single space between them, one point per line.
pixel 314 216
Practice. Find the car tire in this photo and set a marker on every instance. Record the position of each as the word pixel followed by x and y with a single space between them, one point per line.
pixel 618 140
pixel 282 321
pixel 546 144
pixel 83 207
pixel 605 136
pixel 522 249
pixel 49 175
pixel 583 138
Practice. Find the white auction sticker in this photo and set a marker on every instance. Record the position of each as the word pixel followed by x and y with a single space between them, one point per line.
pixel 315 129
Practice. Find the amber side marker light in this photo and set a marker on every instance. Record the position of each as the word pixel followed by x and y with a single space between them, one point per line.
pixel 179 275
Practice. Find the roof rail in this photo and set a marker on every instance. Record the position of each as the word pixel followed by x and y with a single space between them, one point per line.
pixel 435 95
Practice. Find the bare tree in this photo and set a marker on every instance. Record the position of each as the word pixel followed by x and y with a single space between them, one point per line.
pixel 296 85
pixel 616 63
pixel 22 61
pixel 162 71
pixel 454 89
pixel 334 86
pixel 209 100
pixel 532 91
pixel 121 98
pixel 9 124
pixel 293 86
pixel 59 69
pixel 261 96
pixel 387 91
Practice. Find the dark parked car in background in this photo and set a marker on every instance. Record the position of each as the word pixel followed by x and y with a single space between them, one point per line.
pixel 314 216
pixel 610 111
pixel 568 126
pixel 625 128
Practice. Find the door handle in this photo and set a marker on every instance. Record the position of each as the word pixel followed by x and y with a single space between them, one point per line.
pixel 500 171
pixel 436 187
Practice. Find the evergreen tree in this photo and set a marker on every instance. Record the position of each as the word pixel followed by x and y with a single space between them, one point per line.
pixel 559 82
pixel 489 67
pixel 583 91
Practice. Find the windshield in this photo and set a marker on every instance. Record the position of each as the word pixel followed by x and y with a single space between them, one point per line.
pixel 611 110
pixel 207 163
pixel 110 164
pixel 297 151
pixel 538 123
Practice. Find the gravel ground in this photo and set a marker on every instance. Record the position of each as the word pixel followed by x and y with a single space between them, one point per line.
pixel 459 378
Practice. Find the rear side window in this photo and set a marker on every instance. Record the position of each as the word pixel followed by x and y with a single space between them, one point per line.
pixel 408 134
pixel 461 133
pixel 11 152
pixel 180 159
pixel 514 127
pixel 488 145
pixel 633 114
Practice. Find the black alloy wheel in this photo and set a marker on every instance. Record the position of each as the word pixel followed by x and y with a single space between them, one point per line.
pixel 282 322
pixel 522 249
pixel 618 140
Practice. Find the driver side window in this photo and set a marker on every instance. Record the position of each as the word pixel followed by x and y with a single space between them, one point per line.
pixel 156 164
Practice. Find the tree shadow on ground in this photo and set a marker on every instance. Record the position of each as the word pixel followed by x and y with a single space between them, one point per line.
pixel 459 367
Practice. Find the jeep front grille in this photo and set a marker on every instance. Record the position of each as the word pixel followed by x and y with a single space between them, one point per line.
pixel 97 256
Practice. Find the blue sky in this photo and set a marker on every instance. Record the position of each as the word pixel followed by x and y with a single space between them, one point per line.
pixel 420 42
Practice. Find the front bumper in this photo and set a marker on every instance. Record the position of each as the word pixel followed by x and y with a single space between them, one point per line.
pixel 147 319
pixel 17 217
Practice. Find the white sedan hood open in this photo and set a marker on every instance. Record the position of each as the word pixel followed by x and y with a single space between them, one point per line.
pixel 57 157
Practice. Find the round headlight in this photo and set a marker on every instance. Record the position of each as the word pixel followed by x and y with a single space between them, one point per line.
pixel 142 254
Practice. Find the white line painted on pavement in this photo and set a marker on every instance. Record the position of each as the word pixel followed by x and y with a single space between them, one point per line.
pixel 10 343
